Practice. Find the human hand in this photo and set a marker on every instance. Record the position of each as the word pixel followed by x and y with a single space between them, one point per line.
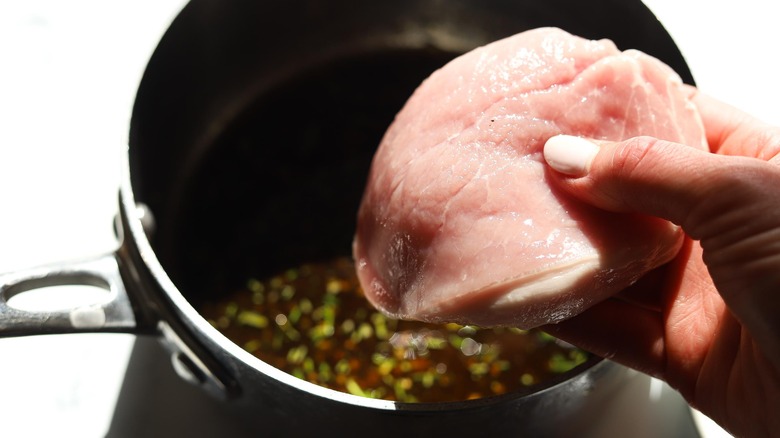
pixel 708 323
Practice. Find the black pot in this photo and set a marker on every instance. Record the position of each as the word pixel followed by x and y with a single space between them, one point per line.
pixel 251 138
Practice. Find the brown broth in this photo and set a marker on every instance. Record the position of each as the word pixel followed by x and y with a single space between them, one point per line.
pixel 312 322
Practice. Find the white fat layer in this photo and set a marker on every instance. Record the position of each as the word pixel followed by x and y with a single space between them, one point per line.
pixel 544 287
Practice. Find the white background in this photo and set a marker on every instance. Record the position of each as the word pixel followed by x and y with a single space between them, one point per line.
pixel 69 71
pixel 68 75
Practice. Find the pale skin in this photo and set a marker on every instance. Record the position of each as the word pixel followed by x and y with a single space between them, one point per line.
pixel 708 323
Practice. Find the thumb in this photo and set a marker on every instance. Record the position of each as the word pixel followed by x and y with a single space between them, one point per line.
pixel 679 183
pixel 728 203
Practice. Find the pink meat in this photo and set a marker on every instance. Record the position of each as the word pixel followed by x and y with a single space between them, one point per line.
pixel 458 221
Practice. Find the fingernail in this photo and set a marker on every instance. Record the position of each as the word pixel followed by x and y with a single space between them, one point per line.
pixel 570 155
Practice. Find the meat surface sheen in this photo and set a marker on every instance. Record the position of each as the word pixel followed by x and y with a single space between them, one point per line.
pixel 458 221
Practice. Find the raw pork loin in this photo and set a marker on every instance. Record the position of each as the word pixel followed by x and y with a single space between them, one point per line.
pixel 458 221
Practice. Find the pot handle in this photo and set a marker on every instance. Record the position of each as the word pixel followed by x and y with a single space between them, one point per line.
pixel 113 314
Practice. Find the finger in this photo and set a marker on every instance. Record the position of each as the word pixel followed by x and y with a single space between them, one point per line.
pixel 728 203
pixel 731 131
pixel 646 175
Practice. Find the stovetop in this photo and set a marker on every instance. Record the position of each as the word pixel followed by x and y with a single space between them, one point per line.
pixel 70 71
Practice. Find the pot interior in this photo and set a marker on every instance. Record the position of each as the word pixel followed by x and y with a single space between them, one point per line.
pixel 281 183
pixel 255 123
